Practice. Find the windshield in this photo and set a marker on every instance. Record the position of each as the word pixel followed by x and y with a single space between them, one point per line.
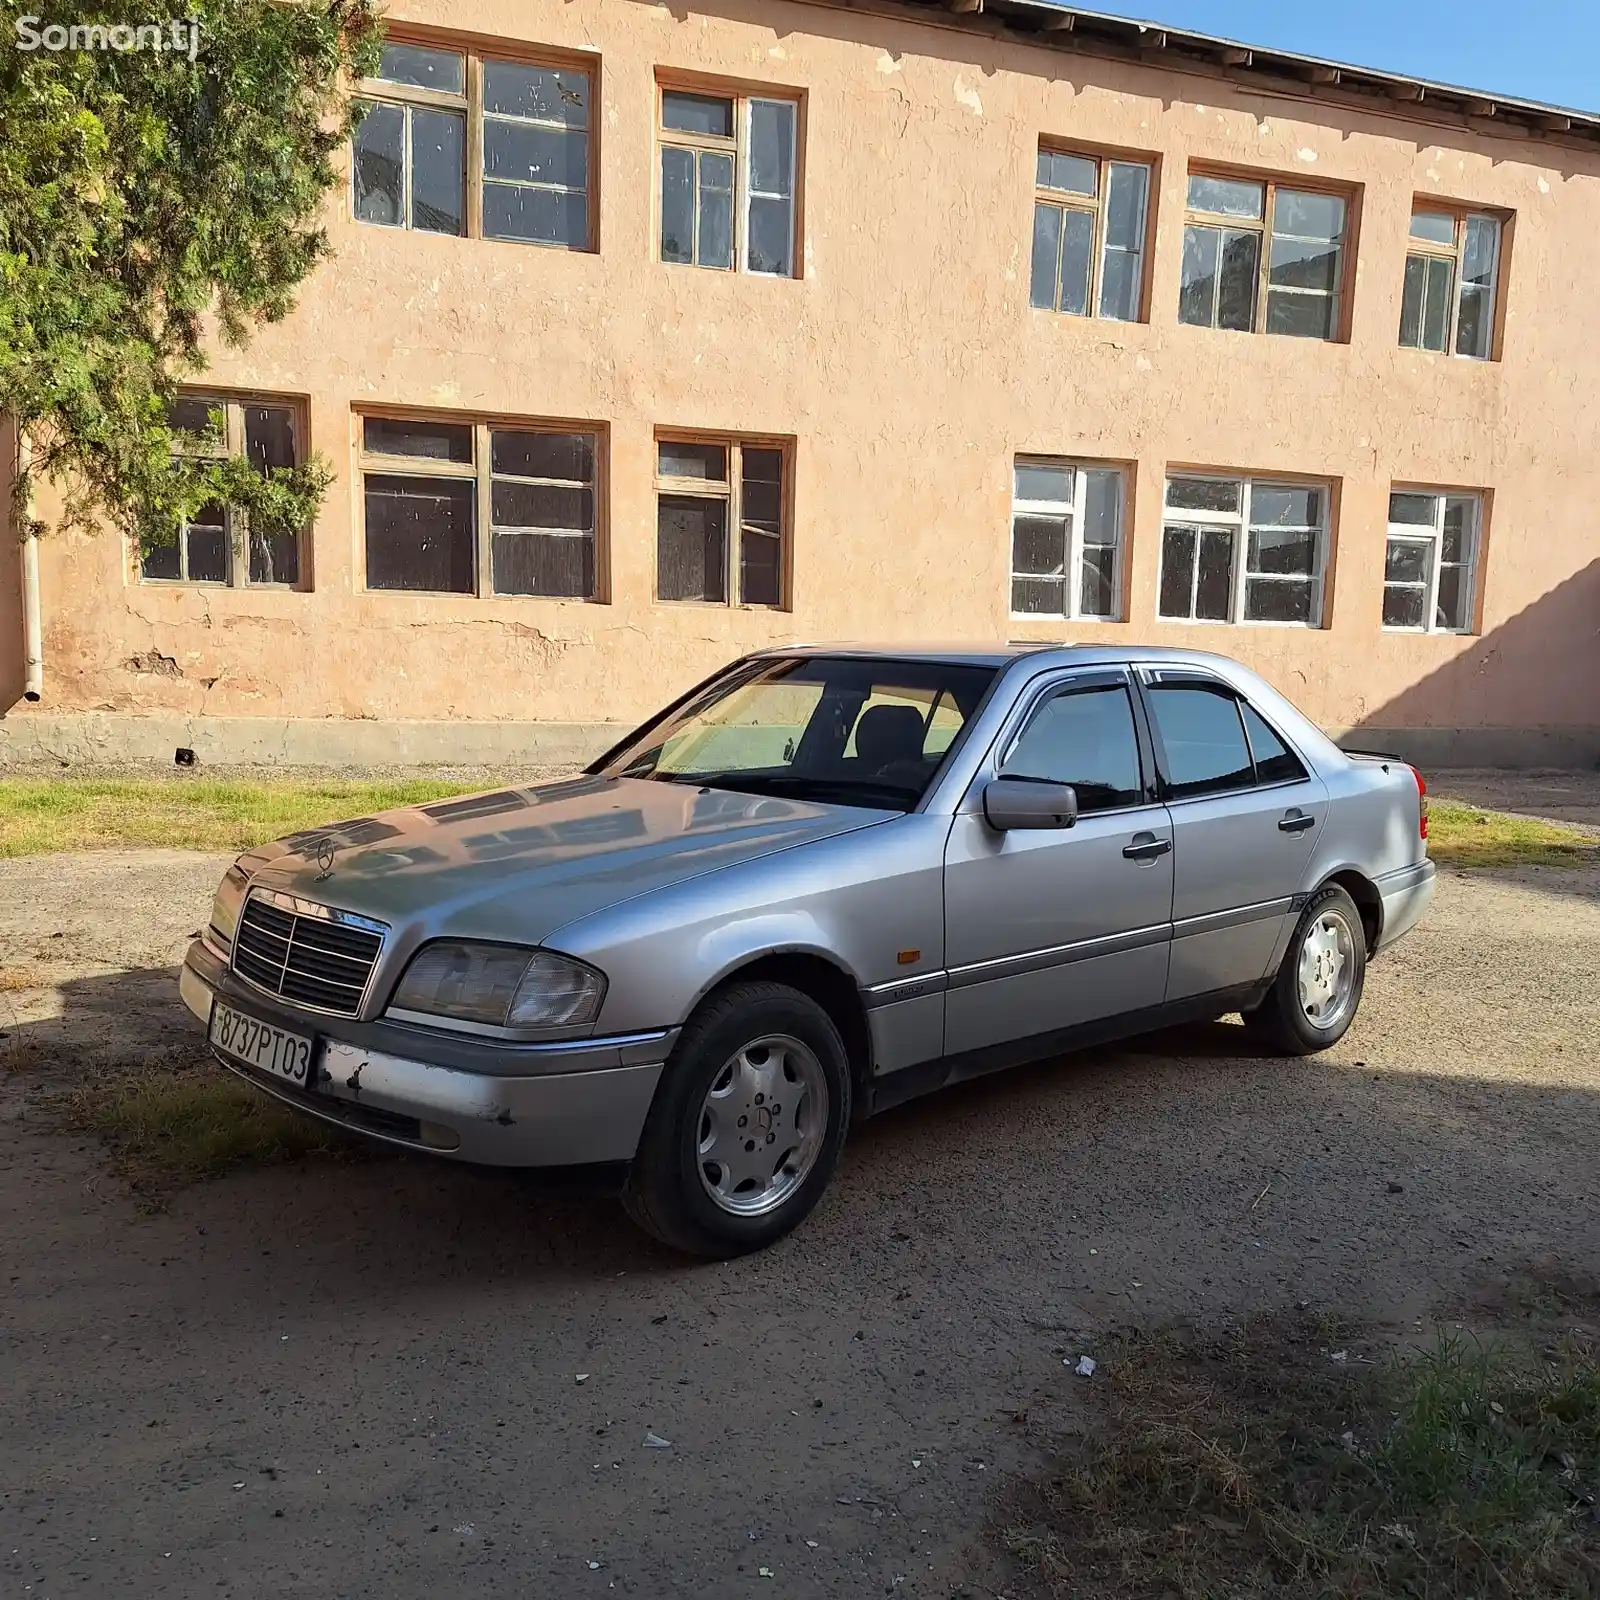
pixel 835 729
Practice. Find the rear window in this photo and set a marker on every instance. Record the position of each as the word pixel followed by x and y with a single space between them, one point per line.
pixel 1275 762
pixel 1203 739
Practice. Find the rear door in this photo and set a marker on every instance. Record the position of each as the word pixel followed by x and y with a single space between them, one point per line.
pixel 1048 929
pixel 1245 811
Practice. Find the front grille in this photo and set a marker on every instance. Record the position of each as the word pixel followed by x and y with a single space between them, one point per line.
pixel 305 953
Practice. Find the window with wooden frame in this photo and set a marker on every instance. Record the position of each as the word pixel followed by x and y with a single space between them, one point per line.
pixel 270 433
pixel 728 165
pixel 1089 225
pixel 471 144
pixel 708 491
pixel 1066 539
pixel 1243 550
pixel 487 508
pixel 1235 225
pixel 1452 278
pixel 1430 569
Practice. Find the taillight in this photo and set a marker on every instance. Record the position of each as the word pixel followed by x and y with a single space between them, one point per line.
pixel 1422 804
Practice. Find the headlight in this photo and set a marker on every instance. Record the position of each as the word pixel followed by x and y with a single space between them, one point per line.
pixel 227 905
pixel 501 985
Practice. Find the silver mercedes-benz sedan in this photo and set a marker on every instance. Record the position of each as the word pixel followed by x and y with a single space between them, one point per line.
pixel 820 883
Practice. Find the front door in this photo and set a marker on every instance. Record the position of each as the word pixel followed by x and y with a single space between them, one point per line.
pixel 1049 929
pixel 1245 812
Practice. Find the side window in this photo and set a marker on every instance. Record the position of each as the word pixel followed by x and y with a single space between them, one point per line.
pixel 1275 762
pixel 1203 739
pixel 1084 737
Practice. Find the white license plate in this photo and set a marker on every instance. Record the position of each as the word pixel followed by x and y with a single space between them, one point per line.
pixel 261 1045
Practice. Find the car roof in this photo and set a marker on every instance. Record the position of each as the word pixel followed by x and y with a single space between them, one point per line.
pixel 1001 654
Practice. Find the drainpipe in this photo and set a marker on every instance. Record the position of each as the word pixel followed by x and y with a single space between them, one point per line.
pixel 32 628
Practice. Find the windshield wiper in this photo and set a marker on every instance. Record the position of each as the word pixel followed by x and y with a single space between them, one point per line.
pixel 843 791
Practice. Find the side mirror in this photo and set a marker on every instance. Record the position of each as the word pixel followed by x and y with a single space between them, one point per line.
pixel 1028 803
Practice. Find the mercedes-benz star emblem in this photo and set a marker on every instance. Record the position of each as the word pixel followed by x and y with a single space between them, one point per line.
pixel 326 851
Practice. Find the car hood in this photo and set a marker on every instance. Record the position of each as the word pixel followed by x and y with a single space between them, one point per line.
pixel 516 864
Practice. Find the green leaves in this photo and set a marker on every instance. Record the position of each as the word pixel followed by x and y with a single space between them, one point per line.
pixel 146 200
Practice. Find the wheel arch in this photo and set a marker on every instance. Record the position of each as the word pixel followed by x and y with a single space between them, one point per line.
pixel 1368 901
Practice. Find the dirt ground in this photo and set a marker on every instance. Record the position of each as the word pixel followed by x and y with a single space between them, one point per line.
pixel 362 1379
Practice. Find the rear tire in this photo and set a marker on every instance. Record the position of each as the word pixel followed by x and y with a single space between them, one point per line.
pixel 1317 992
pixel 747 1123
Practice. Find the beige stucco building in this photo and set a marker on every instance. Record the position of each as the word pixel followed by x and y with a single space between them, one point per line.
pixel 657 333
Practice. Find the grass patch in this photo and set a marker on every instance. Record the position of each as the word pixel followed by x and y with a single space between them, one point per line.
pixel 38 815
pixel 1465 836
pixel 1251 1463
pixel 170 1123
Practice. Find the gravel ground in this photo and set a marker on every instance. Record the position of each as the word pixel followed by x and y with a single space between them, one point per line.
pixel 364 1379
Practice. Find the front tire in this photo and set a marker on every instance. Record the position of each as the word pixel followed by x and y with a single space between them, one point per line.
pixel 1317 992
pixel 746 1126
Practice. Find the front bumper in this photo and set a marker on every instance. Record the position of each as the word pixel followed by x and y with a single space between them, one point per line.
pixel 1406 894
pixel 543 1105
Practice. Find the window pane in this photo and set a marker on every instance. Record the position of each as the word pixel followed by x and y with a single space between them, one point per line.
pixel 1406 561
pixel 1482 244
pixel 438 170
pixel 538 216
pixel 1102 507
pixel 770 248
pixel 1126 186
pixel 1203 494
pixel 1283 550
pixel 1177 571
pixel 421 533
pixel 691 546
pixel 1201 249
pixel 1039 597
pixel 274 557
pixel 1415 510
pixel 1301 316
pixel 426 69
pixel 1039 546
pixel 1077 254
pixel 1085 739
pixel 439 441
pixel 1435 226
pixel 1035 480
pixel 1452 609
pixel 675 459
pixel 1097 595
pixel 1403 607
pixel 1236 298
pixel 1119 286
pixel 543 563
pixel 1203 740
pixel 760 567
pixel 380 166
pixel 569 456
pixel 207 541
pixel 269 437
pixel 1213 595
pixel 1459 519
pixel 530 153
pixel 1304 264
pixel 160 562
pixel 697 113
pixel 1229 197
pixel 1074 174
pixel 542 93
pixel 1284 505
pixel 1436 307
pixel 1046 253
pixel 677 204
pixel 1472 330
pixel 771 147
pixel 1275 762
pixel 191 414
pixel 1411 301
pixel 716 211
pixel 539 505
pixel 1308 216
pixel 1277 600
pixel 760 527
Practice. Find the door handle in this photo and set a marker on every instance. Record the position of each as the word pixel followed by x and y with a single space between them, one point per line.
pixel 1295 821
pixel 1146 847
